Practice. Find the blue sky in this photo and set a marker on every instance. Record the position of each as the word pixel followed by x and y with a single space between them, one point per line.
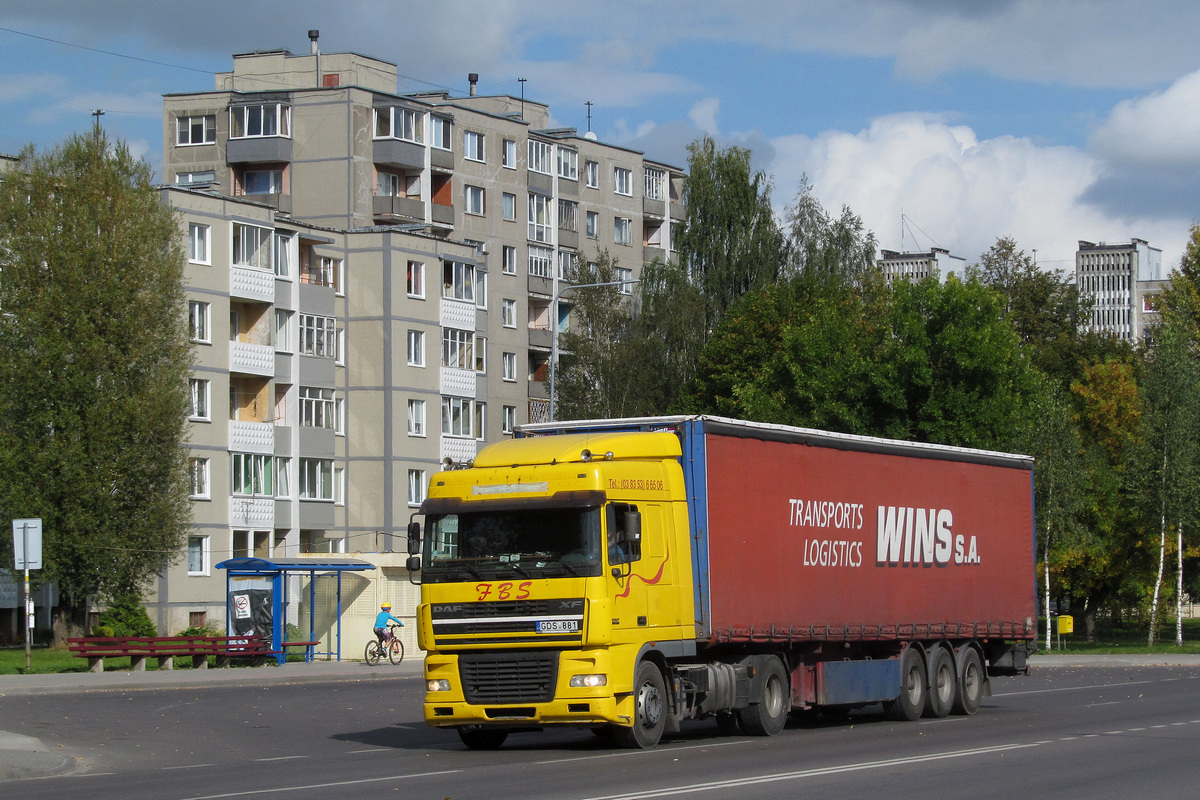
pixel 1049 121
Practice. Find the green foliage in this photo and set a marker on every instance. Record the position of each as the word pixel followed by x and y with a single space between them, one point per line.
pixel 126 616
pixel 93 382
pixel 825 248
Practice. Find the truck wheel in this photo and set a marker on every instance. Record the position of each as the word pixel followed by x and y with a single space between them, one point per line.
pixel 970 685
pixel 482 738
pixel 911 702
pixel 768 716
pixel 943 684
pixel 650 710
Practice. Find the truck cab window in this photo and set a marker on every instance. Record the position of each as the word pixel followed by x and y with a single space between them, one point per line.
pixel 624 533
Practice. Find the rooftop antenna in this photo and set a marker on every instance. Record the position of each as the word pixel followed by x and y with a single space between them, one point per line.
pixel 522 82
pixel 588 103
pixel 98 113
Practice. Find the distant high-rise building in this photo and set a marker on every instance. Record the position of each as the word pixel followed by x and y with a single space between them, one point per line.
pixel 918 266
pixel 1119 279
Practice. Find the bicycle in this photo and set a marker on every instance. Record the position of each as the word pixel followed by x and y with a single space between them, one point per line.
pixel 392 647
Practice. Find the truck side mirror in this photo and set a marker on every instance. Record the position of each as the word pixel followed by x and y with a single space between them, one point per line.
pixel 414 538
pixel 413 563
pixel 631 533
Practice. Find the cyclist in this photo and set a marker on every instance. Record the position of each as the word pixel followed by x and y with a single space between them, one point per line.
pixel 381 621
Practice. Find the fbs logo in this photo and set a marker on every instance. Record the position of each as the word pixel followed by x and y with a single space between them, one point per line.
pixel 921 536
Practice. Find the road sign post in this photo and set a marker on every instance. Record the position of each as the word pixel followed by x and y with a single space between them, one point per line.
pixel 27 552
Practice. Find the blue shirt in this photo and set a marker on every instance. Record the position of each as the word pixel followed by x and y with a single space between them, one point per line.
pixel 381 620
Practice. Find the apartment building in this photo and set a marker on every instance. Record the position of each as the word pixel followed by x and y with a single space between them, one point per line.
pixel 918 266
pixel 375 281
pixel 1120 279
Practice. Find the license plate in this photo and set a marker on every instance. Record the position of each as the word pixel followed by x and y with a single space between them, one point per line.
pixel 558 626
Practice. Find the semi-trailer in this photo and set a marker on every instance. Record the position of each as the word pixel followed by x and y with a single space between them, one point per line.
pixel 628 574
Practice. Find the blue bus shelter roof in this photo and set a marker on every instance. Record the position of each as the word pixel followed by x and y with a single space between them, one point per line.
pixel 262 565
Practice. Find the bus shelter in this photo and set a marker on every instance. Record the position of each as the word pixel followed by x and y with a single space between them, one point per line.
pixel 256 599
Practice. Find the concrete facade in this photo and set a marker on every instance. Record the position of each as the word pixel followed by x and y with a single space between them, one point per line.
pixel 918 266
pixel 1120 279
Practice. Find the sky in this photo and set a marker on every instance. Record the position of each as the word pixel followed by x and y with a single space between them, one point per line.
pixel 941 123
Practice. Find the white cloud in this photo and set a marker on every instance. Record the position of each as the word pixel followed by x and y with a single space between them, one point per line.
pixel 704 115
pixel 1160 129
pixel 963 192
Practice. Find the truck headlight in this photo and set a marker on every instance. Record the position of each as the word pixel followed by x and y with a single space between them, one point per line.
pixel 438 686
pixel 588 681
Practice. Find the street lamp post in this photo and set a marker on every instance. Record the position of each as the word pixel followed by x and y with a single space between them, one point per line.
pixel 554 327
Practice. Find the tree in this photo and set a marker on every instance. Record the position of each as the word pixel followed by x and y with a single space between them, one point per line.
pixel 823 247
pixel 730 242
pixel 93 382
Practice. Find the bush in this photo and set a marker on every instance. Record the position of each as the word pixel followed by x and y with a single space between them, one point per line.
pixel 207 629
pixel 126 616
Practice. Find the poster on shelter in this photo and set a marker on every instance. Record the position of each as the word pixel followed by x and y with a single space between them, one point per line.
pixel 250 612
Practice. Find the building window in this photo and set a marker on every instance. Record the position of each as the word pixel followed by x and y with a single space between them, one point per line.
pixel 318 336
pixel 591 174
pixel 510 206
pixel 473 146
pixel 508 419
pixel 250 474
pixel 198 321
pixel 416 279
pixel 198 399
pixel 317 407
pixel 416 348
pixel 624 274
pixel 322 271
pixel 416 487
pixel 593 224
pixel 508 364
pixel 198 478
pixel 481 354
pixel 508 260
pixel 456 417
pixel 416 418
pixel 261 119
pixel 480 420
pixel 568 260
pixel 622 227
pixel 481 289
pixel 398 123
pixel 387 184
pixel 623 181
pixel 540 155
pixel 539 261
pixel 316 479
pixel 458 280
pixel 190 178
pixel 457 349
pixel 282 258
pixel 196 130
pixel 656 184
pixel 567 210
pixel 539 217
pixel 262 181
pixel 198 558
pixel 508 313
pixel 568 164
pixel 474 199
pixel 252 246
pixel 198 252
pixel 283 331
pixel 283 469
pixel 441 132
pixel 508 157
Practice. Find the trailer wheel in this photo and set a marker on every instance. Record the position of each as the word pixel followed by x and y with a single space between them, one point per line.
pixel 478 738
pixel 911 702
pixel 650 710
pixel 943 684
pixel 768 716
pixel 970 685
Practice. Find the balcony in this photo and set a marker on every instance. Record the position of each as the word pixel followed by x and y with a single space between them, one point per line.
pixel 251 437
pixel 654 208
pixel 248 283
pixel 252 359
pixel 540 338
pixel 404 208
pixel 280 202
pixel 458 450
pixel 443 215
pixel 258 150
pixel 400 154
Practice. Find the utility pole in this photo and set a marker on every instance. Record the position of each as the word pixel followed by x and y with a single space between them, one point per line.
pixel 98 113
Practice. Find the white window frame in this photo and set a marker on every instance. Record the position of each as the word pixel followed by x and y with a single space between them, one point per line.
pixel 416 419
pixel 273 181
pixel 199 243
pixel 481 288
pixel 508 154
pixel 283 330
pixel 416 279
pixel 204 549
pixel 591 174
pixel 416 348
pixel 339 486
pixel 200 176
pixel 568 212
pixel 474 200
pixel 200 321
pixel 509 206
pixel 273 120
pixel 255 471
pixel 508 367
pixel 399 123
pixel 186 130
pixel 624 274
pixel 281 258
pixel 317 336
pixel 622 230
pixel 508 313
pixel 568 163
pixel 568 260
pixel 442 131
pixel 318 407
pixel 540 261
pixel 539 218
pixel 458 349
pixel 416 487
pixel 593 224
pixel 541 157
pixel 252 247
pixel 508 419
pixel 199 478
pixel 199 399
pixel 479 410
pixel 283 470
pixel 458 280
pixel 474 146
pixel 457 416
pixel 655 183
pixel 480 354
pixel 508 260
pixel 623 181
pixel 316 479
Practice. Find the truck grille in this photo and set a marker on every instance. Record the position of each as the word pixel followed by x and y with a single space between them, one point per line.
pixel 508 677
pixel 456 620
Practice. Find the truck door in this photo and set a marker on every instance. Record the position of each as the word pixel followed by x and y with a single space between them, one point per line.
pixel 640 574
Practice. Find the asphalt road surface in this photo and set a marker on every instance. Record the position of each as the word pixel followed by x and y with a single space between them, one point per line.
pixel 1061 732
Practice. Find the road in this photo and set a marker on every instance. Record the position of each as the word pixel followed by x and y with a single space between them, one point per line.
pixel 1062 732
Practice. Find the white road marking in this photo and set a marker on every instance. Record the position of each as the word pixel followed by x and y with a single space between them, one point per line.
pixel 307 787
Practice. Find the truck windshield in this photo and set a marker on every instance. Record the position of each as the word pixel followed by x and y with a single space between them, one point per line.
pixel 526 543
